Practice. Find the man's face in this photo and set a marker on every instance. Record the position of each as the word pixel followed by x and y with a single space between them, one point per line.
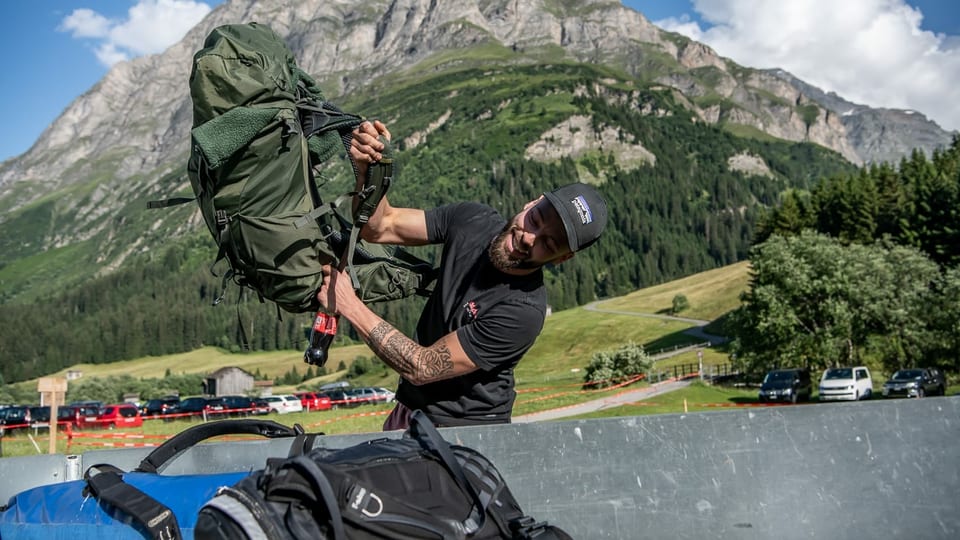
pixel 533 238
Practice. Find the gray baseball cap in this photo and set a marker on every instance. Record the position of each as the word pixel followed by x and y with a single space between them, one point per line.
pixel 583 212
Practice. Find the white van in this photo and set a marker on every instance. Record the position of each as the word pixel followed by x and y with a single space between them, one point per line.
pixel 847 383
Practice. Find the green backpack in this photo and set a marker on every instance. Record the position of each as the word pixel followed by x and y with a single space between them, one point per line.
pixel 260 126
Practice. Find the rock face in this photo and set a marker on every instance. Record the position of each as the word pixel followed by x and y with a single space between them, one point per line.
pixel 875 134
pixel 749 165
pixel 132 128
pixel 576 137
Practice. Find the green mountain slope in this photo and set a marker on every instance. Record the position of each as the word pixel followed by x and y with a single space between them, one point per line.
pixel 499 134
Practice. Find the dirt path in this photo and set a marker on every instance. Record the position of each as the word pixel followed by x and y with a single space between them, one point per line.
pixel 623 398
pixel 696 331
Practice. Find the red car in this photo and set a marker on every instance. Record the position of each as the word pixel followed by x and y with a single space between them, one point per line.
pixel 79 416
pixel 312 401
pixel 120 415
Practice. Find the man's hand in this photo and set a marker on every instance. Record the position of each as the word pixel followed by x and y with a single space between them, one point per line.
pixel 366 145
pixel 336 293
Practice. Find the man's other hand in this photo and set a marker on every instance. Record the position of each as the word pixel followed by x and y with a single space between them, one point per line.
pixel 366 145
pixel 336 294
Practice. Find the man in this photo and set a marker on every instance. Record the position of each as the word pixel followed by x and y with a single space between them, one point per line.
pixel 488 304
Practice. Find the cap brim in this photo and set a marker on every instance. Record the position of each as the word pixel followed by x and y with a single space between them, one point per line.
pixel 566 218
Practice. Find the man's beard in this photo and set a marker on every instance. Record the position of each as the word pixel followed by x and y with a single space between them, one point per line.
pixel 502 260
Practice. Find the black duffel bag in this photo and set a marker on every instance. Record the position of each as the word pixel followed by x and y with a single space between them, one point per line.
pixel 418 486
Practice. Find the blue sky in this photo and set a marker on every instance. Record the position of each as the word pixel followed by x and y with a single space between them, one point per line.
pixel 883 53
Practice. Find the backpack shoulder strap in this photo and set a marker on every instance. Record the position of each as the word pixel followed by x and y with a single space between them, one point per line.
pixel 375 186
pixel 106 483
pixel 424 431
pixel 190 437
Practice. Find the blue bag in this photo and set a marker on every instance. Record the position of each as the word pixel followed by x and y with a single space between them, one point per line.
pixel 62 511
pixel 110 503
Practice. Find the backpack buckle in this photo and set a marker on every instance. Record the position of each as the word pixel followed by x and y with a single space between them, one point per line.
pixel 527 527
pixel 221 218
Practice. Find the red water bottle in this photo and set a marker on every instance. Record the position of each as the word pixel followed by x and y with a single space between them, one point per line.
pixel 321 336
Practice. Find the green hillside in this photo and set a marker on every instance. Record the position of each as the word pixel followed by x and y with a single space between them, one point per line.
pixel 550 376
pixel 710 294
pixel 568 341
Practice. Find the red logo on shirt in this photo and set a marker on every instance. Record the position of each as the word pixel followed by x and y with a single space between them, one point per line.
pixel 471 308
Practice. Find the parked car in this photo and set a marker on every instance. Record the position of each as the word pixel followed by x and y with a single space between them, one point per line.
pixel 121 415
pixel 91 403
pixel 340 398
pixel 237 405
pixel 323 403
pixel 786 385
pixel 79 416
pixel 40 415
pixel 260 407
pixel 313 401
pixel 217 406
pixel 284 404
pixel 384 395
pixel 339 385
pixel 160 406
pixel 917 382
pixel 14 418
pixel 364 396
pixel 66 416
pixel 848 383
pixel 197 406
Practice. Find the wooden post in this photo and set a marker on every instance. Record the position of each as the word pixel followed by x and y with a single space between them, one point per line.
pixel 54 390
pixel 700 363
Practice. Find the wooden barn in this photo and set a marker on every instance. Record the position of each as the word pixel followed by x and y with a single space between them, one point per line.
pixel 228 381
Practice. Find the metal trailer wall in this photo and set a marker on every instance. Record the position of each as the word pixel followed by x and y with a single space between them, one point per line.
pixel 881 468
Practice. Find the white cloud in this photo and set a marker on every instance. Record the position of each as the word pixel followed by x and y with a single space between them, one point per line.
pixel 85 23
pixel 150 27
pixel 867 51
pixel 108 54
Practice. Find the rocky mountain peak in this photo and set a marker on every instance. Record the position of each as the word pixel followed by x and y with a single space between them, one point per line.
pixel 135 122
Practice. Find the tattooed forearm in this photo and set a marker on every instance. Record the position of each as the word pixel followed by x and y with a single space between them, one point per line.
pixel 377 334
pixel 414 362
pixel 400 351
pixel 436 360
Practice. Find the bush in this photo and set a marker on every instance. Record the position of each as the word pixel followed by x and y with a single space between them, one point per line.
pixel 360 365
pixel 606 368
pixel 680 303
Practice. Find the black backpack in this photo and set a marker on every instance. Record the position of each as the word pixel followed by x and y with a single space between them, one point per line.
pixel 418 486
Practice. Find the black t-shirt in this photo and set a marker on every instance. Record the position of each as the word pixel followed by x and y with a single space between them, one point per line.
pixel 497 318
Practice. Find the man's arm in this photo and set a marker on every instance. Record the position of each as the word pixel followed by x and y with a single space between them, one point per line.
pixel 387 225
pixel 415 363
